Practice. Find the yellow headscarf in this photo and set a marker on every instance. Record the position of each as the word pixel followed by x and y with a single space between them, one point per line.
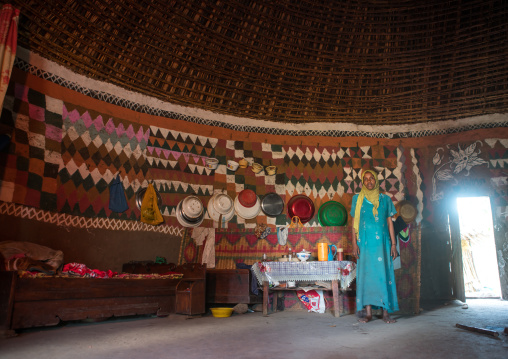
pixel 373 197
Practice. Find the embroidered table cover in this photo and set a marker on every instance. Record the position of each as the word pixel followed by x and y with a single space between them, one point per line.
pixel 343 271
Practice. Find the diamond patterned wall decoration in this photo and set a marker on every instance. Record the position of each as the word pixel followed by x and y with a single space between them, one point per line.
pixel 63 157
pixel 233 182
pixel 177 165
pixel 95 148
pixel 327 173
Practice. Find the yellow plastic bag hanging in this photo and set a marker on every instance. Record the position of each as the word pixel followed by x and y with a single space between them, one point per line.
pixel 149 209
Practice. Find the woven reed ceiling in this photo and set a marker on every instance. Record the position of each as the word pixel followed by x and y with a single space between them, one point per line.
pixel 363 62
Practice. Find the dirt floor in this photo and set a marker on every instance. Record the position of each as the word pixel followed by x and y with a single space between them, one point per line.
pixel 287 334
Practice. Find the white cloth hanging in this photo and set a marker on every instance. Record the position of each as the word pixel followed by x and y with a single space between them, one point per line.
pixel 207 236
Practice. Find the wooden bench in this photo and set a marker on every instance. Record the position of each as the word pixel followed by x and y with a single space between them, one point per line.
pixel 45 301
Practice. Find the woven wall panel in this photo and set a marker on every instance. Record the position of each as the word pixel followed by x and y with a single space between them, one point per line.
pixel 382 62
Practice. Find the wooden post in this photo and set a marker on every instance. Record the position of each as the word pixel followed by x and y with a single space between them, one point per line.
pixel 337 307
pixel 265 298
pixel 8 281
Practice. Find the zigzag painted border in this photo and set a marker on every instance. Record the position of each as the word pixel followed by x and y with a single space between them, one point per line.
pixel 138 107
pixel 66 220
pixel 419 192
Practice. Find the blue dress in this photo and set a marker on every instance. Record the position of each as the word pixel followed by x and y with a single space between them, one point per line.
pixel 375 278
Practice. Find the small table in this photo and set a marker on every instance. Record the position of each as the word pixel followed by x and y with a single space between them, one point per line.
pixel 326 271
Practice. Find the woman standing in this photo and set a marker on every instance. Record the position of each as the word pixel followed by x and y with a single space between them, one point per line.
pixel 375 247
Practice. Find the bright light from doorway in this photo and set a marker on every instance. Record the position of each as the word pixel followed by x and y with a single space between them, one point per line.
pixel 481 274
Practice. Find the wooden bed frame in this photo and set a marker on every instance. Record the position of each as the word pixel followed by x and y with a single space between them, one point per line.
pixel 34 302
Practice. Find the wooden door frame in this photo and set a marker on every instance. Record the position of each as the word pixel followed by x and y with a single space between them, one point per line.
pixel 456 264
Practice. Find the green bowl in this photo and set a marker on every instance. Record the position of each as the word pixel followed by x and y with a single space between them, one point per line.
pixel 331 214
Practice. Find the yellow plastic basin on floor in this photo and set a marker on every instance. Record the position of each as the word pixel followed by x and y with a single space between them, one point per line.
pixel 221 312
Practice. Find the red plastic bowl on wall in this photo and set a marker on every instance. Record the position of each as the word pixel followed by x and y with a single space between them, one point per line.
pixel 247 198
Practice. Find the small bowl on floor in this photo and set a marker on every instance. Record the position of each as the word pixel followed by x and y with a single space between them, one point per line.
pixel 221 312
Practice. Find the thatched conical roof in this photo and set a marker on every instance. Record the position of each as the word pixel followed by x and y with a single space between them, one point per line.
pixel 359 61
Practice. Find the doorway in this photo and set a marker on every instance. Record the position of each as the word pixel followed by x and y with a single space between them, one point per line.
pixel 479 259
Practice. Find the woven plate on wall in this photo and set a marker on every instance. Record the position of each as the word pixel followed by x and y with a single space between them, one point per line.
pixel 407 211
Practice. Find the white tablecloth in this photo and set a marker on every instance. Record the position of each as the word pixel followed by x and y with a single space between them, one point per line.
pixel 343 271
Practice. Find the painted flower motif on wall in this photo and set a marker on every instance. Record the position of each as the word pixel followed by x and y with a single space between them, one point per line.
pixel 461 161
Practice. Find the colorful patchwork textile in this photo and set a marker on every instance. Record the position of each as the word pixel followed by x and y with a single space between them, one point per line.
pixel 34 157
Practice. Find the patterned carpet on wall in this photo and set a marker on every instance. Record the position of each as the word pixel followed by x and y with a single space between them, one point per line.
pixel 63 157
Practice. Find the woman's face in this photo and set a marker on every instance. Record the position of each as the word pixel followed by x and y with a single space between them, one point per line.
pixel 369 181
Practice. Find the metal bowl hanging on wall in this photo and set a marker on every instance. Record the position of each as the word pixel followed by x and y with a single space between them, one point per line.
pixel 272 204
pixel 141 194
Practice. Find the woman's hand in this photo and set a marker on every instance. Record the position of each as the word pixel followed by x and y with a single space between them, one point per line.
pixel 356 250
pixel 393 239
pixel 393 252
